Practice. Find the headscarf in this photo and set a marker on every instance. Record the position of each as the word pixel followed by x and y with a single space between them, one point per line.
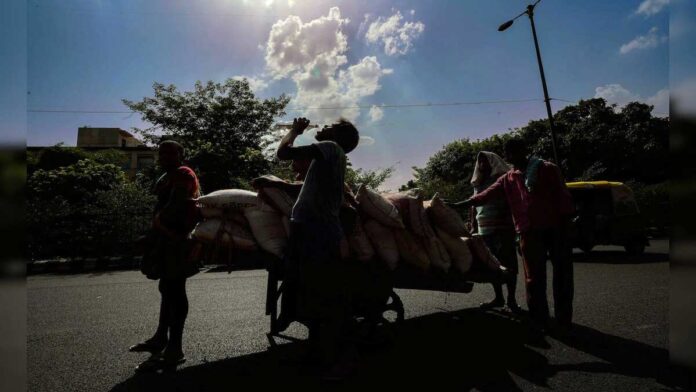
pixel 496 163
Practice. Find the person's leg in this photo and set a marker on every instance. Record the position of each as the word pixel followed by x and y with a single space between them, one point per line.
pixel 163 324
pixel 179 312
pixel 563 282
pixel 508 257
pixel 534 255
pixel 493 244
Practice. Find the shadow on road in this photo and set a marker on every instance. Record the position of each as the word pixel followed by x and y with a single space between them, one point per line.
pixel 464 350
pixel 619 257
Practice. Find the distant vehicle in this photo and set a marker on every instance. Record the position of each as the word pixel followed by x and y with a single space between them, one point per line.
pixel 606 214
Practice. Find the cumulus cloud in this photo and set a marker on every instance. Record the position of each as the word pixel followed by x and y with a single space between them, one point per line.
pixel 256 84
pixel 313 55
pixel 651 40
pixel 396 34
pixel 293 45
pixel 651 7
pixel 376 113
pixel 619 95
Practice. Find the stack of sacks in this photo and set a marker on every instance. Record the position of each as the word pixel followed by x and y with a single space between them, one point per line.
pixel 381 220
pixel 451 230
pixel 461 245
pixel 230 213
pixel 419 238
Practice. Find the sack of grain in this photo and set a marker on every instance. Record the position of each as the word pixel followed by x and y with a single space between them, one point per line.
pixel 412 213
pixel 237 199
pixel 277 198
pixel 286 225
pixel 378 208
pixel 210 212
pixel 360 244
pixel 437 253
pixel 411 250
pixel 446 218
pixel 383 241
pixel 458 250
pixel 482 253
pixel 267 227
pixel 226 232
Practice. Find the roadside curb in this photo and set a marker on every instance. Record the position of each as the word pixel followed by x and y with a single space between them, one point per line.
pixel 82 265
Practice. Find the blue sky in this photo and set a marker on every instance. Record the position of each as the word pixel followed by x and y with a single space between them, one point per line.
pixel 88 55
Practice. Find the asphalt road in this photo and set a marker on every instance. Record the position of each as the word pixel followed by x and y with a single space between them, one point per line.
pixel 80 326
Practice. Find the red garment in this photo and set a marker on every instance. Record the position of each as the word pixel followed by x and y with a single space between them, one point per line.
pixel 182 177
pixel 543 207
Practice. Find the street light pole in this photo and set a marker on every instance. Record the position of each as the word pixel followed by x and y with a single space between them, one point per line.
pixel 530 12
pixel 547 100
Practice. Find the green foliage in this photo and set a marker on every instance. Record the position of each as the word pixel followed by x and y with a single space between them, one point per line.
pixel 370 178
pixel 112 156
pixel 55 157
pixel 222 126
pixel 84 209
pixel 595 142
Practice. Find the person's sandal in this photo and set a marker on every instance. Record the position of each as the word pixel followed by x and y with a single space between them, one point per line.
pixel 150 346
pixel 160 362
pixel 492 304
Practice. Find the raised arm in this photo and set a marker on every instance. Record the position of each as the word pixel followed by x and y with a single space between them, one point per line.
pixel 286 150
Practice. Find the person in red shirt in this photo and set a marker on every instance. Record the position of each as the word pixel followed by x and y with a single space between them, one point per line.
pixel 175 216
pixel 541 208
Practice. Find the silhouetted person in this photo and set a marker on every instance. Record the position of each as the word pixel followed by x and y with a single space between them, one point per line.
pixel 175 217
pixel 541 208
pixel 494 223
pixel 316 294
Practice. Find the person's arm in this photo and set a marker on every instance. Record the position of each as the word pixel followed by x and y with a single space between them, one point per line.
pixel 286 150
pixel 496 190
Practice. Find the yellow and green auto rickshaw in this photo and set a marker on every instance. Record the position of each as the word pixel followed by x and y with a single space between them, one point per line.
pixel 606 214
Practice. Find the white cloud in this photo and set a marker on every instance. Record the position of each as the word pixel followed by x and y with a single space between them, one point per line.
pixel 366 141
pixel 256 84
pixel 651 7
pixel 651 40
pixel 394 33
pixel 292 44
pixel 291 3
pixel 376 113
pixel 619 95
pixel 313 55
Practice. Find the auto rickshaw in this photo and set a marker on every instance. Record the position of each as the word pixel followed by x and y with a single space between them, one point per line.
pixel 606 214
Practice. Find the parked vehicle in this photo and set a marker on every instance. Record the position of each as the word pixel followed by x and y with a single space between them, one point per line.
pixel 606 214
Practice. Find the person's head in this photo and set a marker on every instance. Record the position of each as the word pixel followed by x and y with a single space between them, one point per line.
pixel 342 132
pixel 516 152
pixel 170 155
pixel 488 164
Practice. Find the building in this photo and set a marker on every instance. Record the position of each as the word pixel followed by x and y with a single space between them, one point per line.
pixel 139 155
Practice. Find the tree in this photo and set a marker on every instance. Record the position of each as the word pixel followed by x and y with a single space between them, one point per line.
pixel 595 142
pixel 221 125
pixel 87 207
pixel 370 178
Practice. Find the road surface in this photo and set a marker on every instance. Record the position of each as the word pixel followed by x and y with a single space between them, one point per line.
pixel 80 326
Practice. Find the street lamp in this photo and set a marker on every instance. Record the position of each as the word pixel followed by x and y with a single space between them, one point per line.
pixel 530 12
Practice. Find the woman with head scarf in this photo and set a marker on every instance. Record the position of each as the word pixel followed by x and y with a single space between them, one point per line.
pixel 493 222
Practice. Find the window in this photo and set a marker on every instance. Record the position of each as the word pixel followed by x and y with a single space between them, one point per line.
pixel 145 161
